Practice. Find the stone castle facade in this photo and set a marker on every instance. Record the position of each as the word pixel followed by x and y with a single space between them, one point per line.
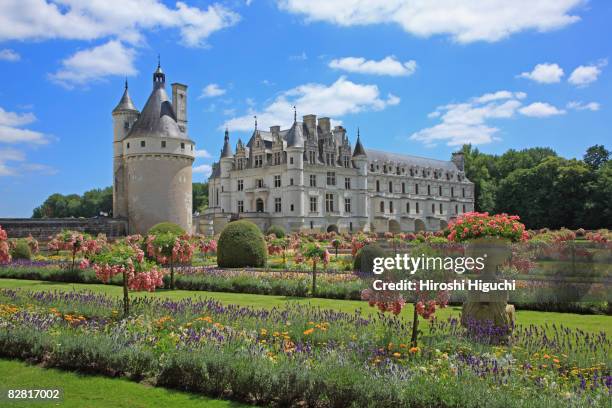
pixel 309 178
pixel 153 157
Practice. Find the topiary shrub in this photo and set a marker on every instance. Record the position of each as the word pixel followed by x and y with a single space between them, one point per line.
pixel 277 230
pixel 21 250
pixel 164 227
pixel 364 260
pixel 241 244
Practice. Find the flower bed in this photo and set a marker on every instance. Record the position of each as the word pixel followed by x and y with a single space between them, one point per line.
pixel 304 356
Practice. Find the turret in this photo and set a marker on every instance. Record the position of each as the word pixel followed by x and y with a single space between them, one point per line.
pixel 227 157
pixel 360 158
pixel 124 115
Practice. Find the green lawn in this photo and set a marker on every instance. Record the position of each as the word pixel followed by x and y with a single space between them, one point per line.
pixel 593 323
pixel 84 391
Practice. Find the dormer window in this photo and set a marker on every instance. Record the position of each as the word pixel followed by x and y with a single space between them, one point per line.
pixel 142 143
pixel 182 145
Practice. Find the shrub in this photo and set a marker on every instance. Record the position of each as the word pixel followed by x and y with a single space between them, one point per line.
pixel 21 250
pixel 241 244
pixel 364 261
pixel 163 227
pixel 277 230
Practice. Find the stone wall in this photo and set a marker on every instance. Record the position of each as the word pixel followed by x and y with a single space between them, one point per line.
pixel 43 228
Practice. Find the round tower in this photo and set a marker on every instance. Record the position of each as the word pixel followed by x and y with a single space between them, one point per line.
pixel 158 157
pixel 124 116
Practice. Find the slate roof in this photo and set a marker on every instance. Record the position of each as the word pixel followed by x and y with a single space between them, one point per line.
pixel 378 155
pixel 126 102
pixel 157 118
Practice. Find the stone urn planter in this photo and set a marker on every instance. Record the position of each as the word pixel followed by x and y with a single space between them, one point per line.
pixel 492 306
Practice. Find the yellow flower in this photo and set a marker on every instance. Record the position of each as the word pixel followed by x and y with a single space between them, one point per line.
pixel 397 355
pixel 308 332
pixel 414 350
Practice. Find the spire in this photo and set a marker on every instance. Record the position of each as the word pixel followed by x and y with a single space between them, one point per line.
pixel 294 114
pixel 158 76
pixel 255 117
pixel 359 150
pixel 126 102
pixel 227 150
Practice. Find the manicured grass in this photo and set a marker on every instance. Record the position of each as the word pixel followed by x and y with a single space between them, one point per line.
pixel 95 391
pixel 592 323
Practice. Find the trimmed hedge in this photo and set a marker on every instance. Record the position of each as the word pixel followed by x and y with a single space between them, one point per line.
pixel 277 230
pixel 22 250
pixel 164 227
pixel 241 244
pixel 364 260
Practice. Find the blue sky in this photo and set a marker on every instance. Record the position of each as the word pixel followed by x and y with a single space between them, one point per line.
pixel 416 77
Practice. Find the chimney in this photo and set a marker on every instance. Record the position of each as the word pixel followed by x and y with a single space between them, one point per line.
pixel 324 125
pixel 311 124
pixel 179 104
pixel 459 159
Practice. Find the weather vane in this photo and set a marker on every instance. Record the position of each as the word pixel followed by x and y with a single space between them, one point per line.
pixel 255 117
pixel 294 114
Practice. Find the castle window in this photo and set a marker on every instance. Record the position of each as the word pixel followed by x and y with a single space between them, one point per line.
pixel 128 145
pixel 417 208
pixel 311 225
pixel 192 148
pixel 351 226
pixel 277 204
pixel 416 189
pixel 313 180
pixel 240 206
pixel 259 205
pixel 277 181
pixel 277 158
pixel 291 207
pixel 403 188
pixel 385 169
pixel 391 206
pixel 329 202
pixel 331 178
pixel 258 160
pixel 382 206
pixel 291 160
pixel 377 185
pixel 463 193
pixel 440 190
pixel 260 183
pixel 407 208
pixel 463 207
pixel 142 143
pixel 163 143
pixel 428 189
pixel 433 208
pixel 372 167
pixel 347 162
pixel 456 208
pixel 441 208
pixel 390 187
pixel 312 158
pixel 313 206
pixel 397 171
pixel 347 205
pixel 290 181
pixel 182 145
pixel 453 192
pixel 126 125
pixel 347 183
pixel 240 185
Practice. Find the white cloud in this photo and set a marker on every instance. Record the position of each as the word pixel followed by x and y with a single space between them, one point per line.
pixel 95 64
pixel 340 98
pixel 466 122
pixel 202 154
pixel 585 74
pixel 299 57
pixel 204 169
pixel 464 21
pixel 541 110
pixel 576 105
pixel 212 90
pixel 13 155
pixel 7 54
pixel 125 19
pixel 229 112
pixel 11 131
pixel 544 73
pixel 387 66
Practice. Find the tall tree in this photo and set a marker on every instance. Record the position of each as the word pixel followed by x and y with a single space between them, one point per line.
pixel 596 156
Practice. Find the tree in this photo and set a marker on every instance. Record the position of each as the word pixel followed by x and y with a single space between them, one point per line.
pixel 596 156
pixel 170 249
pixel 316 253
pixel 200 196
pixel 5 253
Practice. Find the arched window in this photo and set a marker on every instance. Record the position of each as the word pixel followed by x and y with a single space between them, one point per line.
pixel 259 205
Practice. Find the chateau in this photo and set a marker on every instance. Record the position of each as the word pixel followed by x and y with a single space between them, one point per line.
pixel 153 158
pixel 309 178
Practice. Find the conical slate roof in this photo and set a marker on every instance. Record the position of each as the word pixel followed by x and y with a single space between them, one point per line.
pixel 227 150
pixel 126 102
pixel 157 118
pixel 359 150
pixel 295 136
